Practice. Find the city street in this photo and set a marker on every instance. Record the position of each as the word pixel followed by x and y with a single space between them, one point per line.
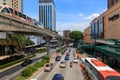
pixel 69 73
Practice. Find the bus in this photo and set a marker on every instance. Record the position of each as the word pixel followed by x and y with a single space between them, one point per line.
pixel 100 71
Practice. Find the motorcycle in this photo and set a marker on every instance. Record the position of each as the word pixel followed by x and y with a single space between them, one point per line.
pixel 71 64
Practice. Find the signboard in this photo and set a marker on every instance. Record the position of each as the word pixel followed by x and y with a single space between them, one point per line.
pixel 2 35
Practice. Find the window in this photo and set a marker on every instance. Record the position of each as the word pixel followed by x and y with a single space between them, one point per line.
pixel 20 14
pixel 5 10
pixel 11 10
pixel 16 13
pixel 4 3
pixel 24 16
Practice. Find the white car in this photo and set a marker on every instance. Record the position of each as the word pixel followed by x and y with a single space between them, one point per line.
pixel 75 60
pixel 62 64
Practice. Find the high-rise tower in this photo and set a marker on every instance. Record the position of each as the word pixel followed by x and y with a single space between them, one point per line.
pixel 47 14
pixel 15 4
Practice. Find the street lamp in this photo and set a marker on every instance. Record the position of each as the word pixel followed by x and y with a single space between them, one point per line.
pixel 94 42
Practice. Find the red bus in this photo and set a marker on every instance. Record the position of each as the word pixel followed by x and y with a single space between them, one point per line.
pixel 100 71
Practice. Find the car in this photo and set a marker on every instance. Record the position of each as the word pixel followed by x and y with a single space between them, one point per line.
pixel 67 54
pixel 75 60
pixel 66 57
pixel 63 52
pixel 26 62
pixel 57 58
pixel 62 64
pixel 48 67
pixel 58 77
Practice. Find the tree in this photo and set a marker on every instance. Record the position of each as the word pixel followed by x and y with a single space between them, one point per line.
pixel 76 36
pixel 18 41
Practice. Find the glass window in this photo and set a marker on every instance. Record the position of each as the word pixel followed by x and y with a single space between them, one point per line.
pixel 24 16
pixel 11 10
pixel 113 78
pixel 20 14
pixel 16 13
pixel 5 10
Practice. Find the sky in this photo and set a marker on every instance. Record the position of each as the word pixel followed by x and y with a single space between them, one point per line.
pixel 70 14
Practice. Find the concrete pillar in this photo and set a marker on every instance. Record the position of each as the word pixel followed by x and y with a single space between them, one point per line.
pixel 60 43
pixel 47 39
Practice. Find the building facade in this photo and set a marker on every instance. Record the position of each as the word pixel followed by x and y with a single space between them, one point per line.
pixel 112 3
pixel 47 14
pixel 66 34
pixel 87 35
pixel 97 27
pixel 112 22
pixel 15 4
pixel 107 25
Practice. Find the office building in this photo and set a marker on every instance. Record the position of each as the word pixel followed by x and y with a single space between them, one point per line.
pixel 15 4
pixel 112 3
pixel 87 35
pixel 47 14
pixel 107 25
pixel 66 33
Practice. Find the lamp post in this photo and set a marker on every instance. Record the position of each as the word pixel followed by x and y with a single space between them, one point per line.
pixel 94 42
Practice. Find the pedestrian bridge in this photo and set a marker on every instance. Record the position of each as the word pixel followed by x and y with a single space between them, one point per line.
pixel 10 24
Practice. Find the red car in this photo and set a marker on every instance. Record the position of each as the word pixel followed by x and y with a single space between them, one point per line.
pixel 67 54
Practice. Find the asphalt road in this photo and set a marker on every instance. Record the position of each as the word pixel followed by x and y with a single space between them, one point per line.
pixel 11 73
pixel 69 73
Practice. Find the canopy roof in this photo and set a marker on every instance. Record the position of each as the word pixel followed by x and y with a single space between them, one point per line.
pixel 109 50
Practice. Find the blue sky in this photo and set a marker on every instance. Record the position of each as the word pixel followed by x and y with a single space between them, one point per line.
pixel 70 14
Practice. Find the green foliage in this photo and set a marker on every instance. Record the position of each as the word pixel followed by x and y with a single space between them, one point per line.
pixel 37 64
pixel 14 62
pixel 29 42
pixel 41 50
pixel 20 78
pixel 46 57
pixel 18 40
pixel 78 51
pixel 27 72
pixel 33 68
pixel 76 35
pixel 58 51
pixel 45 60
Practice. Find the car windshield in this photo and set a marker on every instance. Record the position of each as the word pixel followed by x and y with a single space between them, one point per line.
pixel 57 77
pixel 75 58
pixel 62 62
pixel 47 65
pixel 113 78
pixel 0 7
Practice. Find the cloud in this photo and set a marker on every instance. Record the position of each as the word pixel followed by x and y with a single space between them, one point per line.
pixel 92 16
pixel 71 26
pixel 80 14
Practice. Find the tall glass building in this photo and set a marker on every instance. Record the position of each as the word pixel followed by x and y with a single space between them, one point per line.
pixel 47 14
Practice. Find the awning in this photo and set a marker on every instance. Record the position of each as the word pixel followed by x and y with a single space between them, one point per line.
pixel 110 51
pixel 87 46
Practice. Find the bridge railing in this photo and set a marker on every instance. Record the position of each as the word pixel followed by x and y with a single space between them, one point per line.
pixel 11 24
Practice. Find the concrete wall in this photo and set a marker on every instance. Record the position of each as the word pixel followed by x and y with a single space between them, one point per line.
pixel 112 22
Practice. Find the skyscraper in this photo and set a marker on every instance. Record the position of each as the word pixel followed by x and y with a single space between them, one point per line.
pixel 47 14
pixel 15 4
pixel 112 3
